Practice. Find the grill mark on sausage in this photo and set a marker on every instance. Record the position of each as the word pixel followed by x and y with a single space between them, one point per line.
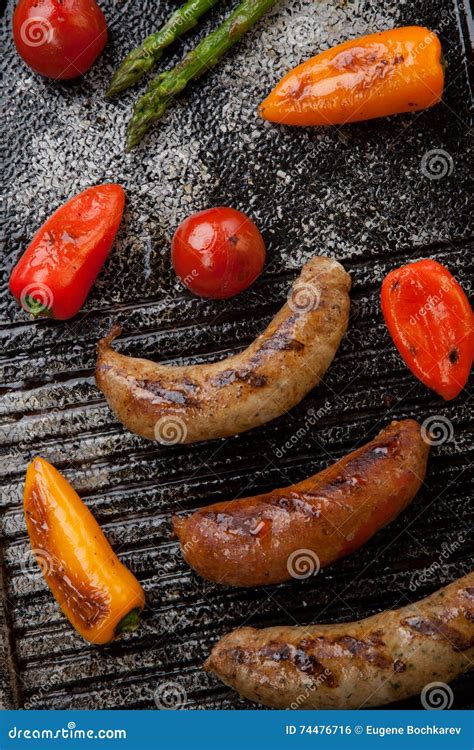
pixel 297 504
pixel 399 666
pixel 243 521
pixel 366 651
pixel 226 377
pixel 436 629
pixel 281 339
pixel 468 593
pixel 369 650
pixel 183 396
pixel 299 658
pixel 282 342
pixel 353 475
pixel 357 467
pixel 252 522
pixel 237 654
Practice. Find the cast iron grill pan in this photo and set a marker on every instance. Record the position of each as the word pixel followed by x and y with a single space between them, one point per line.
pixel 358 193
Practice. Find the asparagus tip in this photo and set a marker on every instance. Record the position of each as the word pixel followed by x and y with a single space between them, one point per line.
pixel 115 87
pixel 133 139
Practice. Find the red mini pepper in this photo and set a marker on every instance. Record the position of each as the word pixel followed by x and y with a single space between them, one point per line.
pixel 432 325
pixel 56 272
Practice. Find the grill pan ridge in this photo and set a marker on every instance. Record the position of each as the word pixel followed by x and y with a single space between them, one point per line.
pixel 358 193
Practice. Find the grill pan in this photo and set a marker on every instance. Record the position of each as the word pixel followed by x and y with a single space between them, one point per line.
pixel 367 194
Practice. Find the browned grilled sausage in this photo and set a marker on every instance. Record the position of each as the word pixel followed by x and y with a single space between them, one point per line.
pixel 201 402
pixel 382 659
pixel 268 538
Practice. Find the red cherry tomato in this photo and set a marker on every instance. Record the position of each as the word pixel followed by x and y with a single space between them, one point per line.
pixel 218 252
pixel 59 38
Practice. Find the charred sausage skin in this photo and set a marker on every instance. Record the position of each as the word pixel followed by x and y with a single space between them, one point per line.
pixel 248 542
pixel 202 402
pixel 384 658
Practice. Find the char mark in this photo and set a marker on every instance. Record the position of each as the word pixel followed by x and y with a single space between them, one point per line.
pixel 359 465
pixel 366 650
pixel 184 396
pixel 282 342
pixel 240 522
pixel 297 504
pixel 226 377
pixel 399 666
pixel 437 630
pixel 299 658
pixel 369 650
pixel 281 339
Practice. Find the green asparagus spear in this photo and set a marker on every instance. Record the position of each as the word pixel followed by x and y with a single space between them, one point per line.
pixel 144 57
pixel 154 103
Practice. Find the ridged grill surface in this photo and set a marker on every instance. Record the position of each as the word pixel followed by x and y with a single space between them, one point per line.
pixel 358 193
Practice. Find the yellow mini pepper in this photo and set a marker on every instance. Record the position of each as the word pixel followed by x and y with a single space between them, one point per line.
pixel 99 595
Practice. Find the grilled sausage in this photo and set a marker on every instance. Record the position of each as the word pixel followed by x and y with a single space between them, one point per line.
pixel 271 537
pixel 202 402
pixel 385 658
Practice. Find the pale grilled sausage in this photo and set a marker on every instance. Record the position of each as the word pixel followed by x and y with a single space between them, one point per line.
pixel 384 658
pixel 268 538
pixel 202 402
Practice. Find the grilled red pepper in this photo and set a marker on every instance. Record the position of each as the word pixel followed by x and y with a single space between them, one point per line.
pixel 432 325
pixel 57 270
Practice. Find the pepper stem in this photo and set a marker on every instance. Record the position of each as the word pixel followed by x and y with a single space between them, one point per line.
pixel 129 623
pixel 443 62
pixel 35 307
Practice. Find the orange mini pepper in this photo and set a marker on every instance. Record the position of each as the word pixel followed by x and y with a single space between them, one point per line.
pixel 377 75
pixel 431 322
pixel 99 595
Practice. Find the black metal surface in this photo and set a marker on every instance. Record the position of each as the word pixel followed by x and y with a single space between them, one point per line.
pixel 364 194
